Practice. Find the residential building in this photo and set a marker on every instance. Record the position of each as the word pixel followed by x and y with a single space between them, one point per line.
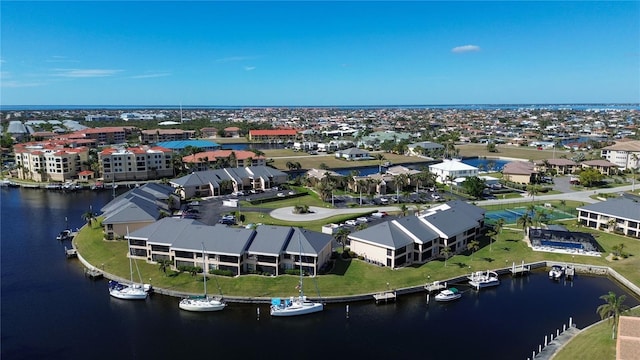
pixel 620 215
pixel 521 172
pixel 273 135
pixel 209 132
pixel 560 166
pixel 49 161
pixel 450 170
pixel 160 135
pixel 424 148
pixel 418 239
pixel 232 132
pixel 104 135
pixel 264 249
pixel 625 154
pixel 139 163
pixel 353 154
pixel 603 166
pixel 100 117
pixel 223 158
pixel 217 182
pixel 138 208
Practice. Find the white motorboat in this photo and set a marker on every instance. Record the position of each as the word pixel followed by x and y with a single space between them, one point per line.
pixel 202 303
pixel 295 305
pixel 483 279
pixel 448 295
pixel 556 272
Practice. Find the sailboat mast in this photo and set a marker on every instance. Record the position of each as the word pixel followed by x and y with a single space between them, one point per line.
pixel 204 273
pixel 300 259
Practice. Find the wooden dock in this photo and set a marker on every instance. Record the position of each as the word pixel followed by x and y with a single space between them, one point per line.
pixel 388 296
pixel 569 272
pixel 435 286
pixel 517 270
pixel 93 273
pixel 70 253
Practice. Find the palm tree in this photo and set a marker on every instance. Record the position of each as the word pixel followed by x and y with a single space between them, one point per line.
pixel 533 190
pixel 525 221
pixel 380 159
pixel 88 217
pixel 491 234
pixel 613 308
pixel 164 264
pixel 341 236
pixel 473 245
pixel 445 252
pixel 404 209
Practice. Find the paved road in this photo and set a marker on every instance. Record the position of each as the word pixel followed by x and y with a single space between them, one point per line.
pixel 321 213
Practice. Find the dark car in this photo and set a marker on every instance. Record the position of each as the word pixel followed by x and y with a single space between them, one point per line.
pixel 227 221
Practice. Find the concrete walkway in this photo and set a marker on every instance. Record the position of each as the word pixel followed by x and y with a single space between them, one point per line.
pixel 549 351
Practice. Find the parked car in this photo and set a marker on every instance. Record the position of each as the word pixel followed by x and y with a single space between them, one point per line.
pixel 227 221
pixel 362 219
pixel 281 195
pixel 351 222
pixel 379 214
pixel 238 193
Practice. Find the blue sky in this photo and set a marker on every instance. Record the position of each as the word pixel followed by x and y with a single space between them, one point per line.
pixel 318 53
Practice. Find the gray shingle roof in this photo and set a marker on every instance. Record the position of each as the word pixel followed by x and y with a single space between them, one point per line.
pixel 236 174
pixel 164 231
pixel 416 227
pixel 385 234
pixel 270 240
pixel 132 211
pixel 219 238
pixel 622 208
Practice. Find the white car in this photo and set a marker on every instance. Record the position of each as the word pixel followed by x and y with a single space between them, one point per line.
pixel 281 195
pixel 362 219
pixel 351 222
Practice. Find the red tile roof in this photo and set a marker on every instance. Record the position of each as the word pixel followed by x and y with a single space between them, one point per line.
pixel 280 132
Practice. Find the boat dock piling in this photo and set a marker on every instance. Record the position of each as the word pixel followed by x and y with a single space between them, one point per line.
pixel 70 253
pixel 520 269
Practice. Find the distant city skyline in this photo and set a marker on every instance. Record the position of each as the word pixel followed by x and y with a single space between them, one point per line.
pixel 340 53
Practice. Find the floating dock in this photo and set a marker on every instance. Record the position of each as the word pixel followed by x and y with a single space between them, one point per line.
pixel 522 269
pixel 93 273
pixel 70 253
pixel 435 286
pixel 388 296
pixel 569 272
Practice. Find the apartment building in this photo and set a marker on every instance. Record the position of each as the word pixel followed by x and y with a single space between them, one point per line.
pixel 158 135
pixel 139 163
pixel 625 154
pixel 49 161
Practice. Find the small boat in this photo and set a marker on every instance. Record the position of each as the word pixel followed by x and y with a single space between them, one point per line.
pixel 556 272
pixel 202 303
pixel 448 295
pixel 132 290
pixel 64 235
pixel 484 279
pixel 295 305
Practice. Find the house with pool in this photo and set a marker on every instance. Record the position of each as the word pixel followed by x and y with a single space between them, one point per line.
pixel 418 239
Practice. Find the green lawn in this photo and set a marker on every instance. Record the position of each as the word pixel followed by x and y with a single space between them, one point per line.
pixel 593 344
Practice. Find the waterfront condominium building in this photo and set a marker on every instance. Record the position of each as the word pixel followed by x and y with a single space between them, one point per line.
pixel 625 154
pixel 159 135
pixel 49 161
pixel 104 135
pixel 273 135
pixel 132 164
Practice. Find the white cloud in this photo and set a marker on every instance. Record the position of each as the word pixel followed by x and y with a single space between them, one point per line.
pixel 85 73
pixel 150 75
pixel 465 49
pixel 249 68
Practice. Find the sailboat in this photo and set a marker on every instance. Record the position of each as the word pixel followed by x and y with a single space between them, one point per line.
pixel 203 302
pixel 295 305
pixel 130 291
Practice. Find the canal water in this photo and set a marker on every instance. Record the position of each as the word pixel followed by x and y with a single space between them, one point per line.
pixel 50 310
